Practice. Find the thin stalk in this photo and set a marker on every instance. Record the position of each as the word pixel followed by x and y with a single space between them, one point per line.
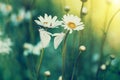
pixel 75 64
pixel 104 39
pixel 31 30
pixel 108 26
pixel 46 78
pixel 81 33
pixel 81 9
pixel 40 62
pixel 64 56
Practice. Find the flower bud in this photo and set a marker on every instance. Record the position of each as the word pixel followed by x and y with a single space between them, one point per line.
pixel 47 73
pixel 60 78
pixel 67 8
pixel 82 48
pixel 103 67
pixel 84 0
pixel 84 10
pixel 112 57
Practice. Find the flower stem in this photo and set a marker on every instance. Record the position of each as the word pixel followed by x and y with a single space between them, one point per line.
pixel 31 30
pixel 75 65
pixel 103 41
pixel 81 32
pixel 64 56
pixel 46 78
pixel 40 62
pixel 81 9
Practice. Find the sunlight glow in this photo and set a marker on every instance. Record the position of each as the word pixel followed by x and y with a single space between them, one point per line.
pixel 114 1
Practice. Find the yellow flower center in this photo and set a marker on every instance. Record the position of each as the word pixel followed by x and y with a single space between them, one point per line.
pixel 45 22
pixel 71 25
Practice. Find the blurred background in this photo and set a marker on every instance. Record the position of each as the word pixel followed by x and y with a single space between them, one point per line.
pixel 19 35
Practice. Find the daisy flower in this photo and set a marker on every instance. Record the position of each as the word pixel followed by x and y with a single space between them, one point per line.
pixel 48 21
pixel 71 22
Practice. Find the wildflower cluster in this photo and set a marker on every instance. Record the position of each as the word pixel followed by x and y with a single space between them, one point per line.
pixel 69 23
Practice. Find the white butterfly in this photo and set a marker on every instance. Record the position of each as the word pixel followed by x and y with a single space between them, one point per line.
pixel 45 37
pixel 58 39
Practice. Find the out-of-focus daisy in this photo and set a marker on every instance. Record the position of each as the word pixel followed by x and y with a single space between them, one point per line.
pixel 5 46
pixel 5 9
pixel 28 15
pixel 71 22
pixel 31 49
pixel 16 19
pixel 48 21
pixel 21 15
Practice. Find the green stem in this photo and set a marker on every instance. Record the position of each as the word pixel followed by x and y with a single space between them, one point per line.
pixel 40 62
pixel 81 32
pixel 103 41
pixel 31 30
pixel 75 64
pixel 81 10
pixel 109 23
pixel 46 78
pixel 64 56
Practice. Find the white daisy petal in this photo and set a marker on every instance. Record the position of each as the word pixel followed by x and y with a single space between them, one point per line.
pixel 45 16
pixel 41 18
pixel 54 18
pixel 38 22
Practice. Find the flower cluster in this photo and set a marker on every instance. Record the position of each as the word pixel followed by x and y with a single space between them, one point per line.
pixel 69 22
